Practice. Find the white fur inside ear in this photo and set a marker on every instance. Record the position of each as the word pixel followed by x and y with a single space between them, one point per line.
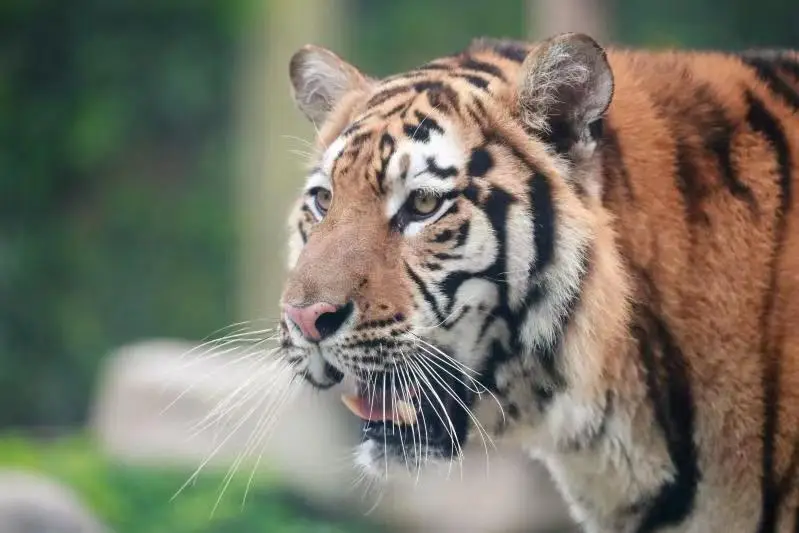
pixel 323 83
pixel 567 79
pixel 320 79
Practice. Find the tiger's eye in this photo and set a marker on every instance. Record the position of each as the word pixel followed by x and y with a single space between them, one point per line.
pixel 323 197
pixel 425 204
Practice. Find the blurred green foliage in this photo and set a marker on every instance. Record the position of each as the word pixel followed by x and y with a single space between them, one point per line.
pixel 140 500
pixel 708 24
pixel 115 217
pixel 393 36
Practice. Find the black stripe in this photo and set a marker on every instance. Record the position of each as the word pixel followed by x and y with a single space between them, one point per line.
pixel 386 150
pixel 426 294
pixel 371 343
pixel 512 50
pixel 480 162
pixel 355 126
pixel 428 121
pixel 408 75
pixel 696 113
pixel 428 85
pixel 497 356
pixel 397 109
pixel 479 115
pixel 767 74
pixel 421 132
pixel 437 66
pixel 762 122
pixel 360 139
pixel 308 213
pixel 443 256
pixel 463 233
pixel 551 380
pixel 479 120
pixel 471 63
pixel 440 172
pixel 477 81
pixel 560 136
pixel 352 128
pixel 303 235
pixel 669 390
pixel 692 187
pixel 444 236
pixel 717 137
pixel 543 216
pixel 443 98
pixel 495 207
pixel 386 94
pixel 613 167
pixel 489 319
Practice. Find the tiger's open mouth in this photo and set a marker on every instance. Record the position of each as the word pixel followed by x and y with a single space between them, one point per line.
pixel 429 418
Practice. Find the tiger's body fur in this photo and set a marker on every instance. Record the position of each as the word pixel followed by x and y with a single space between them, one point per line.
pixel 627 285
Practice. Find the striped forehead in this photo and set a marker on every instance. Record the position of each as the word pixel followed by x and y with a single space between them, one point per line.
pixel 424 155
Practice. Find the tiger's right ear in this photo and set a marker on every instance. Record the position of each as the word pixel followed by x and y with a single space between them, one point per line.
pixel 319 79
pixel 566 86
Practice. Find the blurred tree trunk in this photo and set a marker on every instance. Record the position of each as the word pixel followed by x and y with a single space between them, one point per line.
pixel 548 17
pixel 270 132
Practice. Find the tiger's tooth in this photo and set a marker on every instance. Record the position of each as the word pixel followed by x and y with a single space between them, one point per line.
pixel 351 402
pixel 405 411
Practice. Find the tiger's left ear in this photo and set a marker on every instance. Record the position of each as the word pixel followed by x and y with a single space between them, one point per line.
pixel 320 79
pixel 565 88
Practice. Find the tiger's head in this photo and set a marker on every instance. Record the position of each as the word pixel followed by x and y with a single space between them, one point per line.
pixel 444 237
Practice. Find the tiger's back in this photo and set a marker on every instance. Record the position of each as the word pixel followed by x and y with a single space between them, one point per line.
pixel 700 158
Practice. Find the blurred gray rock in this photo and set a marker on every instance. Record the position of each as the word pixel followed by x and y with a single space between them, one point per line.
pixel 35 504
pixel 154 396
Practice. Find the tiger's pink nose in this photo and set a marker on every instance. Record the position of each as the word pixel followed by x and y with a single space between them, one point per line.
pixel 318 321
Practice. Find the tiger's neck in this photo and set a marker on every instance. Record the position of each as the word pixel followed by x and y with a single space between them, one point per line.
pixel 589 418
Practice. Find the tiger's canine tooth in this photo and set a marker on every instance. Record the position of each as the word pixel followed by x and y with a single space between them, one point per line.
pixel 405 411
pixel 351 402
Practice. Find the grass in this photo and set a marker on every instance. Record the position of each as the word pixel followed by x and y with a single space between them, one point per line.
pixel 139 500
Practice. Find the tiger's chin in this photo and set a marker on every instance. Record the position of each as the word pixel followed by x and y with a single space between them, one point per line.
pixel 380 463
pixel 411 428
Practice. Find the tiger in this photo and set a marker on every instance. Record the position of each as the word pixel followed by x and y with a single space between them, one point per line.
pixel 588 253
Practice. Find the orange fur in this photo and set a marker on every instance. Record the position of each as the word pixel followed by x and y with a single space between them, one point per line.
pixel 691 296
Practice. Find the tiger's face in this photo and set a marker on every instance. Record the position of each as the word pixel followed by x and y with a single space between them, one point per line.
pixel 427 256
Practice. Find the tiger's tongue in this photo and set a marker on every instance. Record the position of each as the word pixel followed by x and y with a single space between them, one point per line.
pixel 374 410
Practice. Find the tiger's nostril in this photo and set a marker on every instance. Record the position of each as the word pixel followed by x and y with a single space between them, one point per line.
pixel 329 323
pixel 320 320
